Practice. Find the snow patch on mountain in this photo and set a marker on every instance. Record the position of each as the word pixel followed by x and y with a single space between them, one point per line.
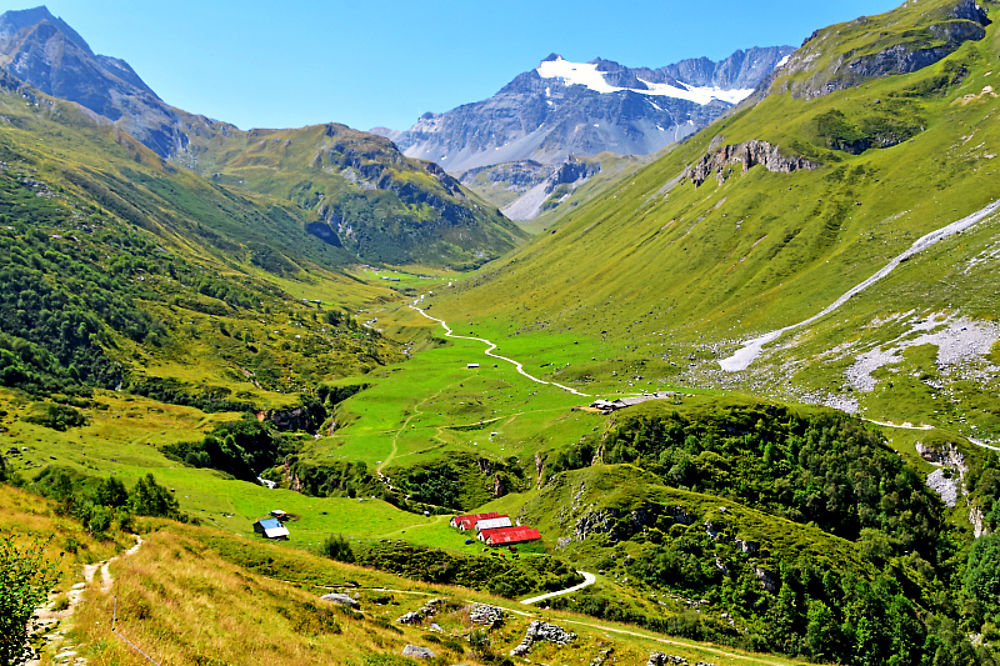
pixel 588 75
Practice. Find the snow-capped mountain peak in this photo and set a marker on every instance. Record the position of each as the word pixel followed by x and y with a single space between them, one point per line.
pixel 588 74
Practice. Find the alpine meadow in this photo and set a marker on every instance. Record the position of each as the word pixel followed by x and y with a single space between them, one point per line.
pixel 680 363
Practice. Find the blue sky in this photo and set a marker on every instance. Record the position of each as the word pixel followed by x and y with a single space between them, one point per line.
pixel 300 62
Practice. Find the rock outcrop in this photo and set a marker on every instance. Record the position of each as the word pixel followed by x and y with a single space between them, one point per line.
pixel 485 614
pixel 342 600
pixel 768 580
pixel 661 659
pixel 542 631
pixel 428 610
pixel 418 652
pixel 914 49
pixel 749 154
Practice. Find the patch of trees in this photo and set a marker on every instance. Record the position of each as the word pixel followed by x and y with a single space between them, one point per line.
pixel 100 504
pixel 176 392
pixel 459 480
pixel 56 416
pixel 337 478
pixel 872 131
pixel 243 449
pixel 27 579
pixel 983 484
pixel 824 468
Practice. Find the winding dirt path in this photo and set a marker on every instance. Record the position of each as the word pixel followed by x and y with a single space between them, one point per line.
pixel 490 346
pixel 910 426
pixel 588 579
pixel 754 347
pixel 48 625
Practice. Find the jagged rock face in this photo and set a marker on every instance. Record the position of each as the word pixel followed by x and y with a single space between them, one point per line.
pixel 916 49
pixel 748 154
pixel 547 118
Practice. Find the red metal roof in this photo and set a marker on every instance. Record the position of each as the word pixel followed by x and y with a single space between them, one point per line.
pixel 468 521
pixel 503 535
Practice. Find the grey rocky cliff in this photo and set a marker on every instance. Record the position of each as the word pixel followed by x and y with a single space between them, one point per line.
pixel 749 154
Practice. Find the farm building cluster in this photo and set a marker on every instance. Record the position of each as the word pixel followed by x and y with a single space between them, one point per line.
pixel 495 529
pixel 608 406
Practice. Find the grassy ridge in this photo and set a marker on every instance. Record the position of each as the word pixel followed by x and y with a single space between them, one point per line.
pixel 123 270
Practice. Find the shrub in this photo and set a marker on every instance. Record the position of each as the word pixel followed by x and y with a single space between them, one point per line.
pixel 27 577
pixel 336 547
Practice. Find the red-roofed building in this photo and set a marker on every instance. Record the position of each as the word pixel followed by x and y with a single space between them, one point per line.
pixel 469 520
pixel 503 536
pixel 493 523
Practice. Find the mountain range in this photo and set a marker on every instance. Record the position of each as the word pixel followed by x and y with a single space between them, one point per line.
pixel 562 108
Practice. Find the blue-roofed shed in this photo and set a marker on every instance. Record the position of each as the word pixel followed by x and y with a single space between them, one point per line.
pixel 271 528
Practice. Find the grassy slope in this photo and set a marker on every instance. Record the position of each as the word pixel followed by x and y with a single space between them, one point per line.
pixel 666 268
pixel 170 597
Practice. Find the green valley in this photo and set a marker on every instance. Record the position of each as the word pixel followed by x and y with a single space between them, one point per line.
pixel 746 389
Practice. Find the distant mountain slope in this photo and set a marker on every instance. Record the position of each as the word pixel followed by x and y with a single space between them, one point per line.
pixel 361 194
pixel 45 52
pixel 562 108
pixel 388 208
pixel 772 213
pixel 528 190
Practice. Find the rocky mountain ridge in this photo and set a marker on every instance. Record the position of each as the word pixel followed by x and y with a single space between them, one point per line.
pixel 909 44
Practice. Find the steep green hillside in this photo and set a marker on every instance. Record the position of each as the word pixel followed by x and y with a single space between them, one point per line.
pixel 769 215
pixel 120 271
pixel 361 193
pixel 356 189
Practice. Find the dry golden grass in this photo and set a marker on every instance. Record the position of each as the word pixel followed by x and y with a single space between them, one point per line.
pixel 182 604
